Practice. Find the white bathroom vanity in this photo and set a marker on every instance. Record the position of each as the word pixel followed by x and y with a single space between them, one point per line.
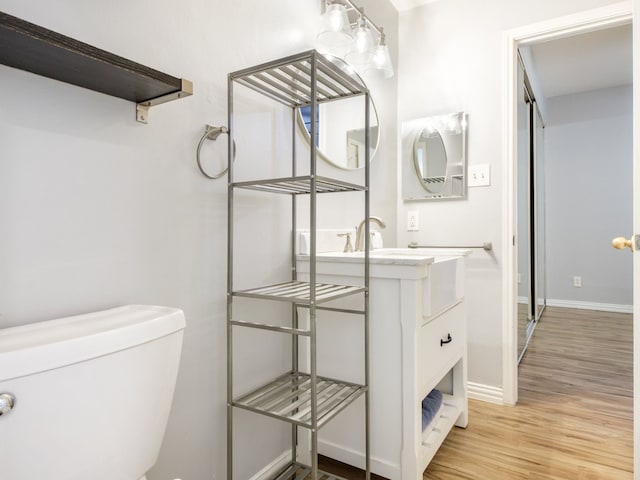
pixel 417 342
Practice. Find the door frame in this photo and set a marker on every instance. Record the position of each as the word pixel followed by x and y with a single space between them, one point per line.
pixel 583 22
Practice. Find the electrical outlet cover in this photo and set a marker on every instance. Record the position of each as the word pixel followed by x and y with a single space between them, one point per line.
pixel 412 221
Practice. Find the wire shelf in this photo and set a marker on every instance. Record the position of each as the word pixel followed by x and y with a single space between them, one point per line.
pixel 300 292
pixel 300 185
pixel 289 80
pixel 288 398
pixel 298 471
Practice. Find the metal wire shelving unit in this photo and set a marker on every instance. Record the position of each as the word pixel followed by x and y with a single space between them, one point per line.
pixel 303 399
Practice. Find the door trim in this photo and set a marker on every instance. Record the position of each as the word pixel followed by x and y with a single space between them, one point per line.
pixel 583 22
pixel 636 259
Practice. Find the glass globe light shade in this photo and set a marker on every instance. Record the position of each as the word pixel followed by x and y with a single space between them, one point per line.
pixel 361 52
pixel 335 31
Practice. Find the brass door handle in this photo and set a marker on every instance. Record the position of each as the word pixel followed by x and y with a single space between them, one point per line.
pixel 7 402
pixel 621 243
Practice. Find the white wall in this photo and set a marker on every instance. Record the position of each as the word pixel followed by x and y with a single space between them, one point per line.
pixel 589 167
pixel 97 210
pixel 451 60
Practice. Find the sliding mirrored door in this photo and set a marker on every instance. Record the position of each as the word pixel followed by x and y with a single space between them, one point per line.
pixel 524 253
pixel 538 223
pixel 531 214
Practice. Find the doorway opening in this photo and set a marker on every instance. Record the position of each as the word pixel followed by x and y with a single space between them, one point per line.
pixel 574 177
pixel 573 25
pixel 617 15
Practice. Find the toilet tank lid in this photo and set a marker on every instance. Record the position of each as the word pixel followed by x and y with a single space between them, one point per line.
pixel 41 346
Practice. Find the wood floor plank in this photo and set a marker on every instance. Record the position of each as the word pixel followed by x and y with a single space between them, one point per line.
pixel 574 418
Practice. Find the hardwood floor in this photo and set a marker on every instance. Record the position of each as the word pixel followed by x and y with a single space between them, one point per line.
pixel 574 418
pixel 343 470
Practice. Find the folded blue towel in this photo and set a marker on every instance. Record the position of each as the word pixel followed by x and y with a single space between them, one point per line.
pixel 430 406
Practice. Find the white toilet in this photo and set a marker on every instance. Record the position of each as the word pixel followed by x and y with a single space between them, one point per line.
pixel 88 397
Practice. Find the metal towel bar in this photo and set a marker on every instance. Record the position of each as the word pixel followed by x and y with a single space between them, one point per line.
pixel 485 246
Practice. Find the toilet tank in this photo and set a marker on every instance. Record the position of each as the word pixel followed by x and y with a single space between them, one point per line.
pixel 92 393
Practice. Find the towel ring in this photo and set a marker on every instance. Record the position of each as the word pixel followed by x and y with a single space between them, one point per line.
pixel 212 133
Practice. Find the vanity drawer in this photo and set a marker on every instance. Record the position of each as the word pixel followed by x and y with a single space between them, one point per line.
pixel 441 343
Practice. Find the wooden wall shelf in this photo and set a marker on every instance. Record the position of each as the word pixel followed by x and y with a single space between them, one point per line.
pixel 41 51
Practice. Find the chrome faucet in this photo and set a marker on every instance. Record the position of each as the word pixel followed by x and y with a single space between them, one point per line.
pixel 360 232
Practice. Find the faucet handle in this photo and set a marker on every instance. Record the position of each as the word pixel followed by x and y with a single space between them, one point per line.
pixel 376 240
pixel 348 248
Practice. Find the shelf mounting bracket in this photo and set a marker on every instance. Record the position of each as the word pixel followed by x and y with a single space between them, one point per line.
pixel 142 108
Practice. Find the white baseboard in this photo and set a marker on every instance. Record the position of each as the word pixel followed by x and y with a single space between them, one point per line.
pixel 274 467
pixel 352 457
pixel 486 393
pixel 336 452
pixel 601 307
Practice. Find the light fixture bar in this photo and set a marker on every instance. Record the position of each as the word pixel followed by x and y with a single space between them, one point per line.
pixel 349 34
pixel 351 7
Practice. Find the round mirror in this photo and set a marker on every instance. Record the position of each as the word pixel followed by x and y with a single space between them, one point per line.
pixel 340 127
pixel 430 159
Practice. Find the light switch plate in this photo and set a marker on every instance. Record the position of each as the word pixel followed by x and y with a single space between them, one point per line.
pixel 479 175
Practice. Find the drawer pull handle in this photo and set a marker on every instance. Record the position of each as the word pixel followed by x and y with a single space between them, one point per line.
pixel 448 340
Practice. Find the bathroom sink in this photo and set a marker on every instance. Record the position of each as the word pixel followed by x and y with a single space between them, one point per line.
pixel 441 271
pixel 400 256
pixel 382 256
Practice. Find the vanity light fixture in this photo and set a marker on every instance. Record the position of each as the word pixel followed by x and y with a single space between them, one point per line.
pixel 452 125
pixel 360 53
pixel 430 129
pixel 336 28
pixel 438 125
pixel 381 64
pixel 348 33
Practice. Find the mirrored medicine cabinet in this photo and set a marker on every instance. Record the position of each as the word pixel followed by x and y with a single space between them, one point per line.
pixel 434 157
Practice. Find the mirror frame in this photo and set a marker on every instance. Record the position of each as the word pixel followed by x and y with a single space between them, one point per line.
pixel 373 114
